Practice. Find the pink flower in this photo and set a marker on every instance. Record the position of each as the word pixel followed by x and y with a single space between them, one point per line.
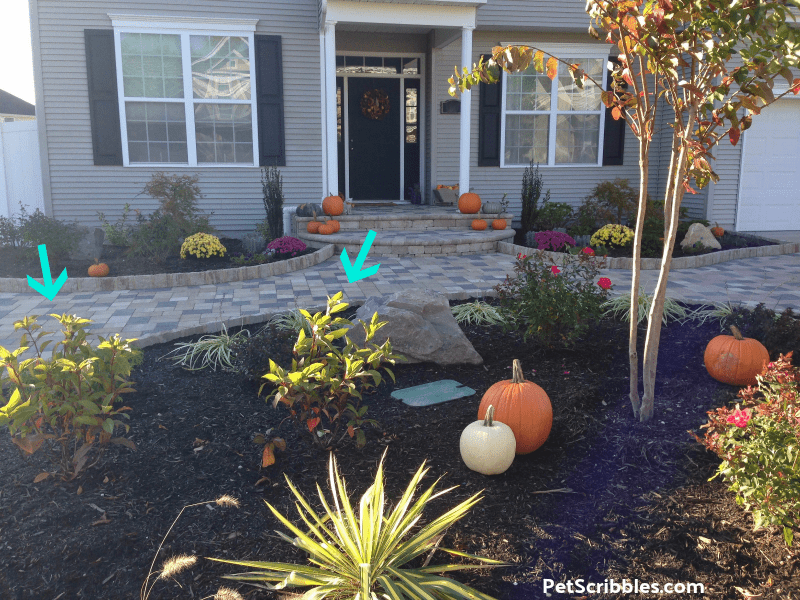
pixel 604 283
pixel 739 417
pixel 588 251
pixel 521 256
pixel 555 270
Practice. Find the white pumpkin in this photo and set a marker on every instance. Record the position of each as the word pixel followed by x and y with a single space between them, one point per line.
pixel 488 446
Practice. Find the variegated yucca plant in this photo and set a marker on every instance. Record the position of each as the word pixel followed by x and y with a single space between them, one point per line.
pixel 362 557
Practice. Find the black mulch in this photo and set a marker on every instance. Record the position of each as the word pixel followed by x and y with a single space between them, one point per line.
pixel 639 505
pixel 20 262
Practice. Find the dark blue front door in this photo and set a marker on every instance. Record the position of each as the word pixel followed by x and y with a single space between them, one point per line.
pixel 374 143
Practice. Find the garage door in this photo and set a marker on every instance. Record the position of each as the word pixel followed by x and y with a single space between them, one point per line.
pixel 769 198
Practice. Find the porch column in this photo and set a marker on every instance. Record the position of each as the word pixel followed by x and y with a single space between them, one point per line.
pixel 330 154
pixel 464 139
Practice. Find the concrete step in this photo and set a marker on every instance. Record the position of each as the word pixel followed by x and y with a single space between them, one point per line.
pixel 434 242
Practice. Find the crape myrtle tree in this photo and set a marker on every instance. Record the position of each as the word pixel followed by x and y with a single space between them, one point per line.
pixel 714 63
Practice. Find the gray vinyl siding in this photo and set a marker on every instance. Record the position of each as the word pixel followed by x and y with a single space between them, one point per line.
pixel 566 184
pixel 511 15
pixel 79 188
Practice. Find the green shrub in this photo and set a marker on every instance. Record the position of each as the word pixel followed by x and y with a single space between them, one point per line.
pixel 155 237
pixel 60 238
pixel 212 350
pixel 272 186
pixel 323 388
pixel 9 233
pixel 364 553
pixel 553 304
pixel 477 312
pixel 759 443
pixel 66 402
pixel 553 215
pixel 159 235
pixel 117 233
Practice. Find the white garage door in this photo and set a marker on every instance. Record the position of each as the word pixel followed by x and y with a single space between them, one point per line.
pixel 769 197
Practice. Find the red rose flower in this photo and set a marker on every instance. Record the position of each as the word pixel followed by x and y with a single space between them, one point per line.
pixel 555 270
pixel 604 283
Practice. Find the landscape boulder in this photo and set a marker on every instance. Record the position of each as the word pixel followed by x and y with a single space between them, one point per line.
pixel 91 245
pixel 700 233
pixel 420 326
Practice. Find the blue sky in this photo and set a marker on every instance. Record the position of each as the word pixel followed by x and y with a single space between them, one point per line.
pixel 16 68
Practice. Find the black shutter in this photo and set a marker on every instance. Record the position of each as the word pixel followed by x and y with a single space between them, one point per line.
pixel 101 68
pixel 489 107
pixel 269 96
pixel 614 133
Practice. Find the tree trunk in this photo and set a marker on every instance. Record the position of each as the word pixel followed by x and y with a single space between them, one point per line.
pixel 633 354
pixel 673 198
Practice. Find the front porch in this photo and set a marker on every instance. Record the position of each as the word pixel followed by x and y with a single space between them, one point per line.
pixel 410 230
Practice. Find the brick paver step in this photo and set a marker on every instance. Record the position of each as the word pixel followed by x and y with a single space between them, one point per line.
pixel 392 243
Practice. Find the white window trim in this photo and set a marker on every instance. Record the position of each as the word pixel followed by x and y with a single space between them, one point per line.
pixel 185 27
pixel 599 51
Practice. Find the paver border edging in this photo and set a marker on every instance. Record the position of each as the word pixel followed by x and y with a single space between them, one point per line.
pixel 163 337
pixel 168 280
pixel 683 262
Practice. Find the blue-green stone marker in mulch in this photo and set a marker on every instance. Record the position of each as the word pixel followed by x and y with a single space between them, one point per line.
pixel 432 393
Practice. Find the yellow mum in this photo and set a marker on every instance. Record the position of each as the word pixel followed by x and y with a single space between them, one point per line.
pixel 202 245
pixel 613 236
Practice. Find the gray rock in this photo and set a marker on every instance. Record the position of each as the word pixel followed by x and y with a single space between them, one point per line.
pixel 91 246
pixel 420 327
pixel 700 233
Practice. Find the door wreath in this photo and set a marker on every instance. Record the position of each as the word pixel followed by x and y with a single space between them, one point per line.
pixel 375 104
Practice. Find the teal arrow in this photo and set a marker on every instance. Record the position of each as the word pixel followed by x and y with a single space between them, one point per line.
pixel 50 288
pixel 353 271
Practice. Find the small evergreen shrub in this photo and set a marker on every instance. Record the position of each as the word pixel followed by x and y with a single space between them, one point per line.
pixel 30 230
pixel 117 233
pixel 532 183
pixel 272 187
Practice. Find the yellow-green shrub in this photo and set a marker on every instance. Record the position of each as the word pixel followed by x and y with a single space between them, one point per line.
pixel 613 236
pixel 202 245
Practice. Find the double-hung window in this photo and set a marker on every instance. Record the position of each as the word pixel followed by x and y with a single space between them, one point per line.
pixel 186 92
pixel 554 123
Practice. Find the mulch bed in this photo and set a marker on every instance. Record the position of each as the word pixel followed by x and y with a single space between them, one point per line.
pixel 729 241
pixel 605 497
pixel 20 262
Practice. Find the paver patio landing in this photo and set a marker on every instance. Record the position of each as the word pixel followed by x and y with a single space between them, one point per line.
pixel 160 315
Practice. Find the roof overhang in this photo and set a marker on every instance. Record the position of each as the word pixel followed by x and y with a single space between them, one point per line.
pixel 416 13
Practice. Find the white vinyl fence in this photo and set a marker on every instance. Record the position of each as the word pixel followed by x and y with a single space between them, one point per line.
pixel 20 169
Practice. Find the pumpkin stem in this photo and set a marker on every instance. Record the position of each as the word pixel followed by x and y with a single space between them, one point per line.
pixel 736 333
pixel 488 420
pixel 516 372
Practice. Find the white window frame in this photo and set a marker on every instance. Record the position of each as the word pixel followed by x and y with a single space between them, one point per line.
pixel 185 27
pixel 597 51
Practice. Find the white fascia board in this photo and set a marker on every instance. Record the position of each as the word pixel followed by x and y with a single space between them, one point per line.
pixel 162 22
pixel 559 50
pixel 424 15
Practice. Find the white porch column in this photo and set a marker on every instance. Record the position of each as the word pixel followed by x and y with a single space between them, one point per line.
pixel 466 113
pixel 330 153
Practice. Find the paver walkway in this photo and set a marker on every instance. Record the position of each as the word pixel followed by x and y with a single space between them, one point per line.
pixel 159 315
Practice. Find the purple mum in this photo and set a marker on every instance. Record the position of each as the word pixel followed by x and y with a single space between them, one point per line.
pixel 553 240
pixel 286 245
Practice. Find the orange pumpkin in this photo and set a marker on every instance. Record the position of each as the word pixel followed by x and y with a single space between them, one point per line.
pixel 469 203
pixel 499 224
pixel 335 224
pixel 735 359
pixel 717 230
pixel 325 229
pixel 333 205
pixel 98 269
pixel 479 225
pixel 313 226
pixel 523 406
